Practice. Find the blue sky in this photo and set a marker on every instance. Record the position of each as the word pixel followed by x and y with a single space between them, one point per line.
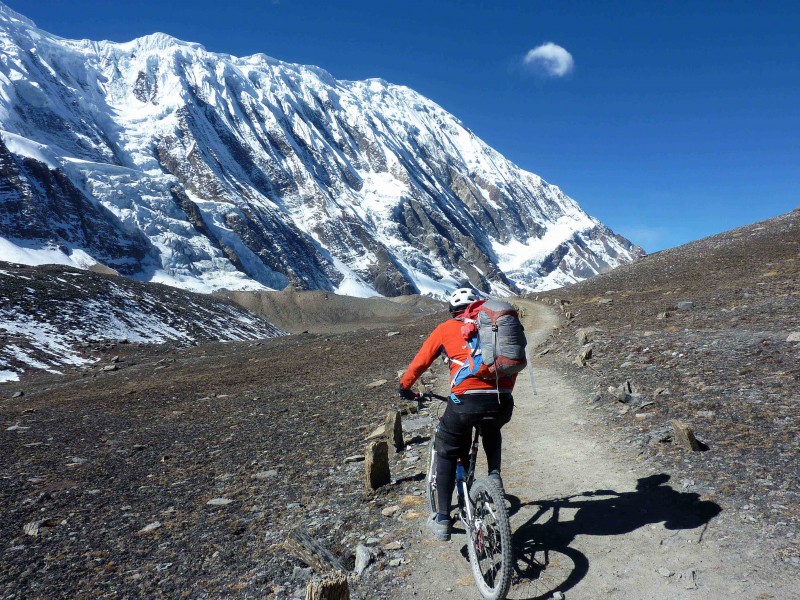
pixel 676 121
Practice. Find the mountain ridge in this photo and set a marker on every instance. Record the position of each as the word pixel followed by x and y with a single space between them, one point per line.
pixel 253 173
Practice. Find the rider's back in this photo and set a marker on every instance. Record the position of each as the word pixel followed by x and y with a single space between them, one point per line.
pixel 448 339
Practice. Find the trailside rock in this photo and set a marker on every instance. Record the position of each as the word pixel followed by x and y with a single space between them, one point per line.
pixel 364 557
pixel 584 354
pixel 685 436
pixel 376 465
pixel 219 501
pixel 394 430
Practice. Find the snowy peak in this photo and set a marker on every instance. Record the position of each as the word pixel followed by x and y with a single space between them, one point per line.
pixel 12 17
pixel 252 173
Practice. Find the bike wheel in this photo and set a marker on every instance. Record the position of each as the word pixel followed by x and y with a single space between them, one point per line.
pixel 430 479
pixel 489 540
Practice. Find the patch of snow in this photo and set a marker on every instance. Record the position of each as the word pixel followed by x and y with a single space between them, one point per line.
pixel 6 376
pixel 40 253
pixel 29 148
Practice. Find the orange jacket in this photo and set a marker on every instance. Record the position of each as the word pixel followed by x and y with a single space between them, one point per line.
pixel 447 339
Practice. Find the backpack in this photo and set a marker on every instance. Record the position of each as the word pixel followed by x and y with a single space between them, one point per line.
pixel 496 339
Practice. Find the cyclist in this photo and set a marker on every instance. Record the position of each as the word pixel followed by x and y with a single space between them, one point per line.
pixel 470 401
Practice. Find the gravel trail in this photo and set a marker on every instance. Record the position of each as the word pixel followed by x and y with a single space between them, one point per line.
pixel 590 521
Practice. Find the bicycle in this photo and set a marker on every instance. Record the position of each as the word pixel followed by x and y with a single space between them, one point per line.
pixel 483 513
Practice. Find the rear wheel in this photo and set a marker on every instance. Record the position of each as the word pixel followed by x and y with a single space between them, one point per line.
pixel 430 480
pixel 489 540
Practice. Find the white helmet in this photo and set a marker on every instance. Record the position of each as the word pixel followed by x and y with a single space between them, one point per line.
pixel 462 297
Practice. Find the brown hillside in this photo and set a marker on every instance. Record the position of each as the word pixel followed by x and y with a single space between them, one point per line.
pixel 706 333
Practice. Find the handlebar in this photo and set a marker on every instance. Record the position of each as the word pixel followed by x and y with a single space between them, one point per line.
pixel 432 396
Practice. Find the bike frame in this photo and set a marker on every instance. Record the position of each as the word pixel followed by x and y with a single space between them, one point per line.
pixel 465 484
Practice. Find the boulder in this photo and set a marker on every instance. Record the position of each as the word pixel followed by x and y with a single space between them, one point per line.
pixel 376 465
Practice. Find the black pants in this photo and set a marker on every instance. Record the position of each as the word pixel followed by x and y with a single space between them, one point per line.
pixel 454 437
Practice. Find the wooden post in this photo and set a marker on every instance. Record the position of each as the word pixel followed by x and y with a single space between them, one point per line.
pixel 394 430
pixel 376 465
pixel 308 550
pixel 685 436
pixel 331 586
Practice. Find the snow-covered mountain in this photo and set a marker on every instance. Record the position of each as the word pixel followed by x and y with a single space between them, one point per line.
pixel 173 164
pixel 51 315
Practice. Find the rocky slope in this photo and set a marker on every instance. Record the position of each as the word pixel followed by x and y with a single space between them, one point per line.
pixel 55 317
pixel 707 333
pixel 207 171
pixel 116 470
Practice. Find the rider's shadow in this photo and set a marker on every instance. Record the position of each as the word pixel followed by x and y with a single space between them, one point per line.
pixel 600 512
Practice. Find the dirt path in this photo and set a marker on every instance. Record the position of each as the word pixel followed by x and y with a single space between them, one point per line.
pixel 589 522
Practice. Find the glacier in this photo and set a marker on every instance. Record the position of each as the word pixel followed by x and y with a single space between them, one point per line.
pixel 206 171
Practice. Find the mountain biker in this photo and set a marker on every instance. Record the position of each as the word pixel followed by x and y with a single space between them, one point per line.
pixel 470 400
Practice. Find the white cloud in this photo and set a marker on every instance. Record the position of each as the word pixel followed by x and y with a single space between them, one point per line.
pixel 549 59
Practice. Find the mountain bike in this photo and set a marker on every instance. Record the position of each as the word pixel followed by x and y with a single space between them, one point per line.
pixel 483 512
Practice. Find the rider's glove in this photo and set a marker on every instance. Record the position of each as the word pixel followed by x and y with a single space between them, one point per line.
pixel 406 394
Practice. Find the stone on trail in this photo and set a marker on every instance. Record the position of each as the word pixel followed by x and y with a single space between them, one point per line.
pixel 393 546
pixel 31 528
pixel 664 572
pixel 379 432
pixel 377 383
pixel 34 527
pixel 794 337
pixel 265 474
pixel 392 333
pixel 390 511
pixel 623 392
pixel 150 527
pixel 584 355
pixel 364 557
pixel 376 465
pixel 219 502
pixel 353 459
pixel 662 315
pixel 20 393
pixel 685 436
pixel 110 368
pixel 684 305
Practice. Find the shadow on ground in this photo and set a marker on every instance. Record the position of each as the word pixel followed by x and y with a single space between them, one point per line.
pixel 546 562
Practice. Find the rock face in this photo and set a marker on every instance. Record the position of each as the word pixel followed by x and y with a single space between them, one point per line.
pixel 209 171
pixel 50 315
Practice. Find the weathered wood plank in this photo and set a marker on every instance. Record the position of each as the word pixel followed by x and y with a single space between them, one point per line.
pixel 331 586
pixel 308 550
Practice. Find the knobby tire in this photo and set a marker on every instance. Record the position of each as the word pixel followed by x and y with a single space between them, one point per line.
pixel 430 479
pixel 490 552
